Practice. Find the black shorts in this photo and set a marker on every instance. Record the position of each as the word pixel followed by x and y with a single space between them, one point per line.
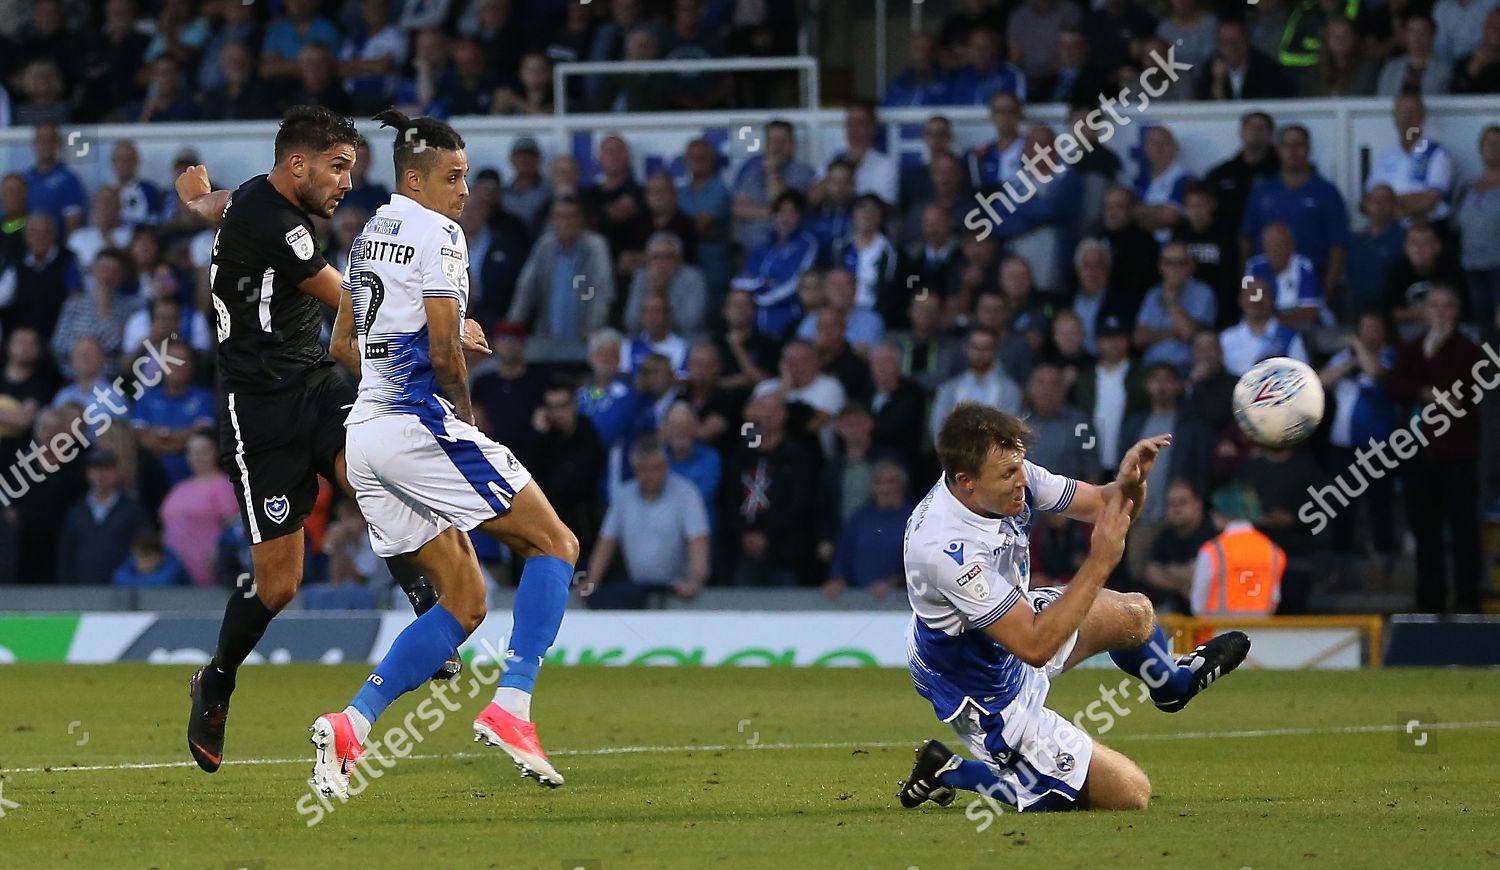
pixel 274 446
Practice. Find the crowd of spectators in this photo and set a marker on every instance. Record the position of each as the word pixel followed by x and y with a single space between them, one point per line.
pixel 1063 51
pixel 735 378
pixel 142 61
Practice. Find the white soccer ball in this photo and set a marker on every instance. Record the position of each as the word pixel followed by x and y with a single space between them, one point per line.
pixel 1278 402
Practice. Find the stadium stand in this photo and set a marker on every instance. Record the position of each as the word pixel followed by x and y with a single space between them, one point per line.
pixel 809 290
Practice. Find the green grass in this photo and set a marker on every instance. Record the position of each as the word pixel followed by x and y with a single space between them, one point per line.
pixel 1320 797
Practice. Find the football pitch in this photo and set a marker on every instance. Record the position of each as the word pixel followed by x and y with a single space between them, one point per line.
pixel 784 768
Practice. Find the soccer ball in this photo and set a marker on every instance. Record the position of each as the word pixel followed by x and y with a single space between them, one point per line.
pixel 1278 402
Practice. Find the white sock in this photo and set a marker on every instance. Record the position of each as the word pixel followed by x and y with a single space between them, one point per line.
pixel 514 701
pixel 360 723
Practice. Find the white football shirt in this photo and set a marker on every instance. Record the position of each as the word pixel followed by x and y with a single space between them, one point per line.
pixel 963 572
pixel 406 253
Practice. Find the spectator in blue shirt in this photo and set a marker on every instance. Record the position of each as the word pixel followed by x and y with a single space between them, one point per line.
pixel 868 555
pixel 1361 412
pixel 288 34
pixel 705 198
pixel 149 564
pixel 1174 310
pixel 1373 251
pixel 1299 292
pixel 1303 200
pixel 168 414
pixel 833 219
pixel 692 459
pixel 1161 184
pixel 1044 227
pixel 923 83
pixel 51 186
pixel 608 400
pixel 365 195
pixel 995 163
pixel 988 73
pixel 763 177
pixel 167 97
pixel 863 327
pixel 237 27
pixel 772 270
pixel 371 56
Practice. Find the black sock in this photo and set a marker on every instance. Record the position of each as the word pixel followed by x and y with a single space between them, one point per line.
pixel 245 620
pixel 418 591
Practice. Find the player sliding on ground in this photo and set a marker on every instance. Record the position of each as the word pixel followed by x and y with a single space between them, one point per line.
pixel 283 403
pixel 984 646
pixel 419 466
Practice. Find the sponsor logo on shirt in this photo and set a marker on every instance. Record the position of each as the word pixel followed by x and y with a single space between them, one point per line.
pixel 383 226
pixel 301 242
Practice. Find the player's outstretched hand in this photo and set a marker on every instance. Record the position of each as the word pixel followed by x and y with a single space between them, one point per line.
pixel 473 338
pixel 1136 466
pixel 193 183
pixel 1108 540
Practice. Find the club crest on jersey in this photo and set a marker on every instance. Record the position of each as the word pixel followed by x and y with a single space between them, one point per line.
pixel 277 508
pixel 1065 762
pixel 955 551
pixel 301 242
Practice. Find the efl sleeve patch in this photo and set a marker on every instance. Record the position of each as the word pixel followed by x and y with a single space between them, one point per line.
pixel 452 260
pixel 301 242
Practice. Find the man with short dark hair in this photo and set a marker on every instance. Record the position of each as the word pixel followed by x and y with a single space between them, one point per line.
pixel 657 521
pixel 51 186
pixel 1232 180
pixel 1168 578
pixel 868 555
pixel 1442 487
pixel 1309 204
pixel 985 646
pixel 167 415
pixel 284 402
pixel 98 531
pixel 567 286
pixel 36 285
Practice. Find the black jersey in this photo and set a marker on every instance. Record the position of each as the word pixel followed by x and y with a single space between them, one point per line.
pixel 270 332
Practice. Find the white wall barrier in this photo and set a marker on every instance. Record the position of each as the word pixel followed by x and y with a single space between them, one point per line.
pixel 655 638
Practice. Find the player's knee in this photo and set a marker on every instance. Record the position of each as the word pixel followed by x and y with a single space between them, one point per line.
pixel 1139 795
pixel 277 594
pixel 560 542
pixel 1141 616
pixel 276 589
pixel 470 614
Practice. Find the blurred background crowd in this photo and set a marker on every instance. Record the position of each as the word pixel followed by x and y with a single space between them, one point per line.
pixel 735 378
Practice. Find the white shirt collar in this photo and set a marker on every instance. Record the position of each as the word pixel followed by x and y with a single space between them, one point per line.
pixel 962 513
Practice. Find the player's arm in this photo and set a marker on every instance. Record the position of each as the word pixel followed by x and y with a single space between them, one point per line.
pixel 1034 637
pixel 445 346
pixel 199 196
pixel 325 285
pixel 1089 500
pixel 343 346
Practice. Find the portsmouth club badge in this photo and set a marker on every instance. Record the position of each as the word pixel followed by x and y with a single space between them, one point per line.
pixel 277 508
pixel 301 242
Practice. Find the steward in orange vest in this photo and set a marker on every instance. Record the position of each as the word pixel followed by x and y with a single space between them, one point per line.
pixel 1238 573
